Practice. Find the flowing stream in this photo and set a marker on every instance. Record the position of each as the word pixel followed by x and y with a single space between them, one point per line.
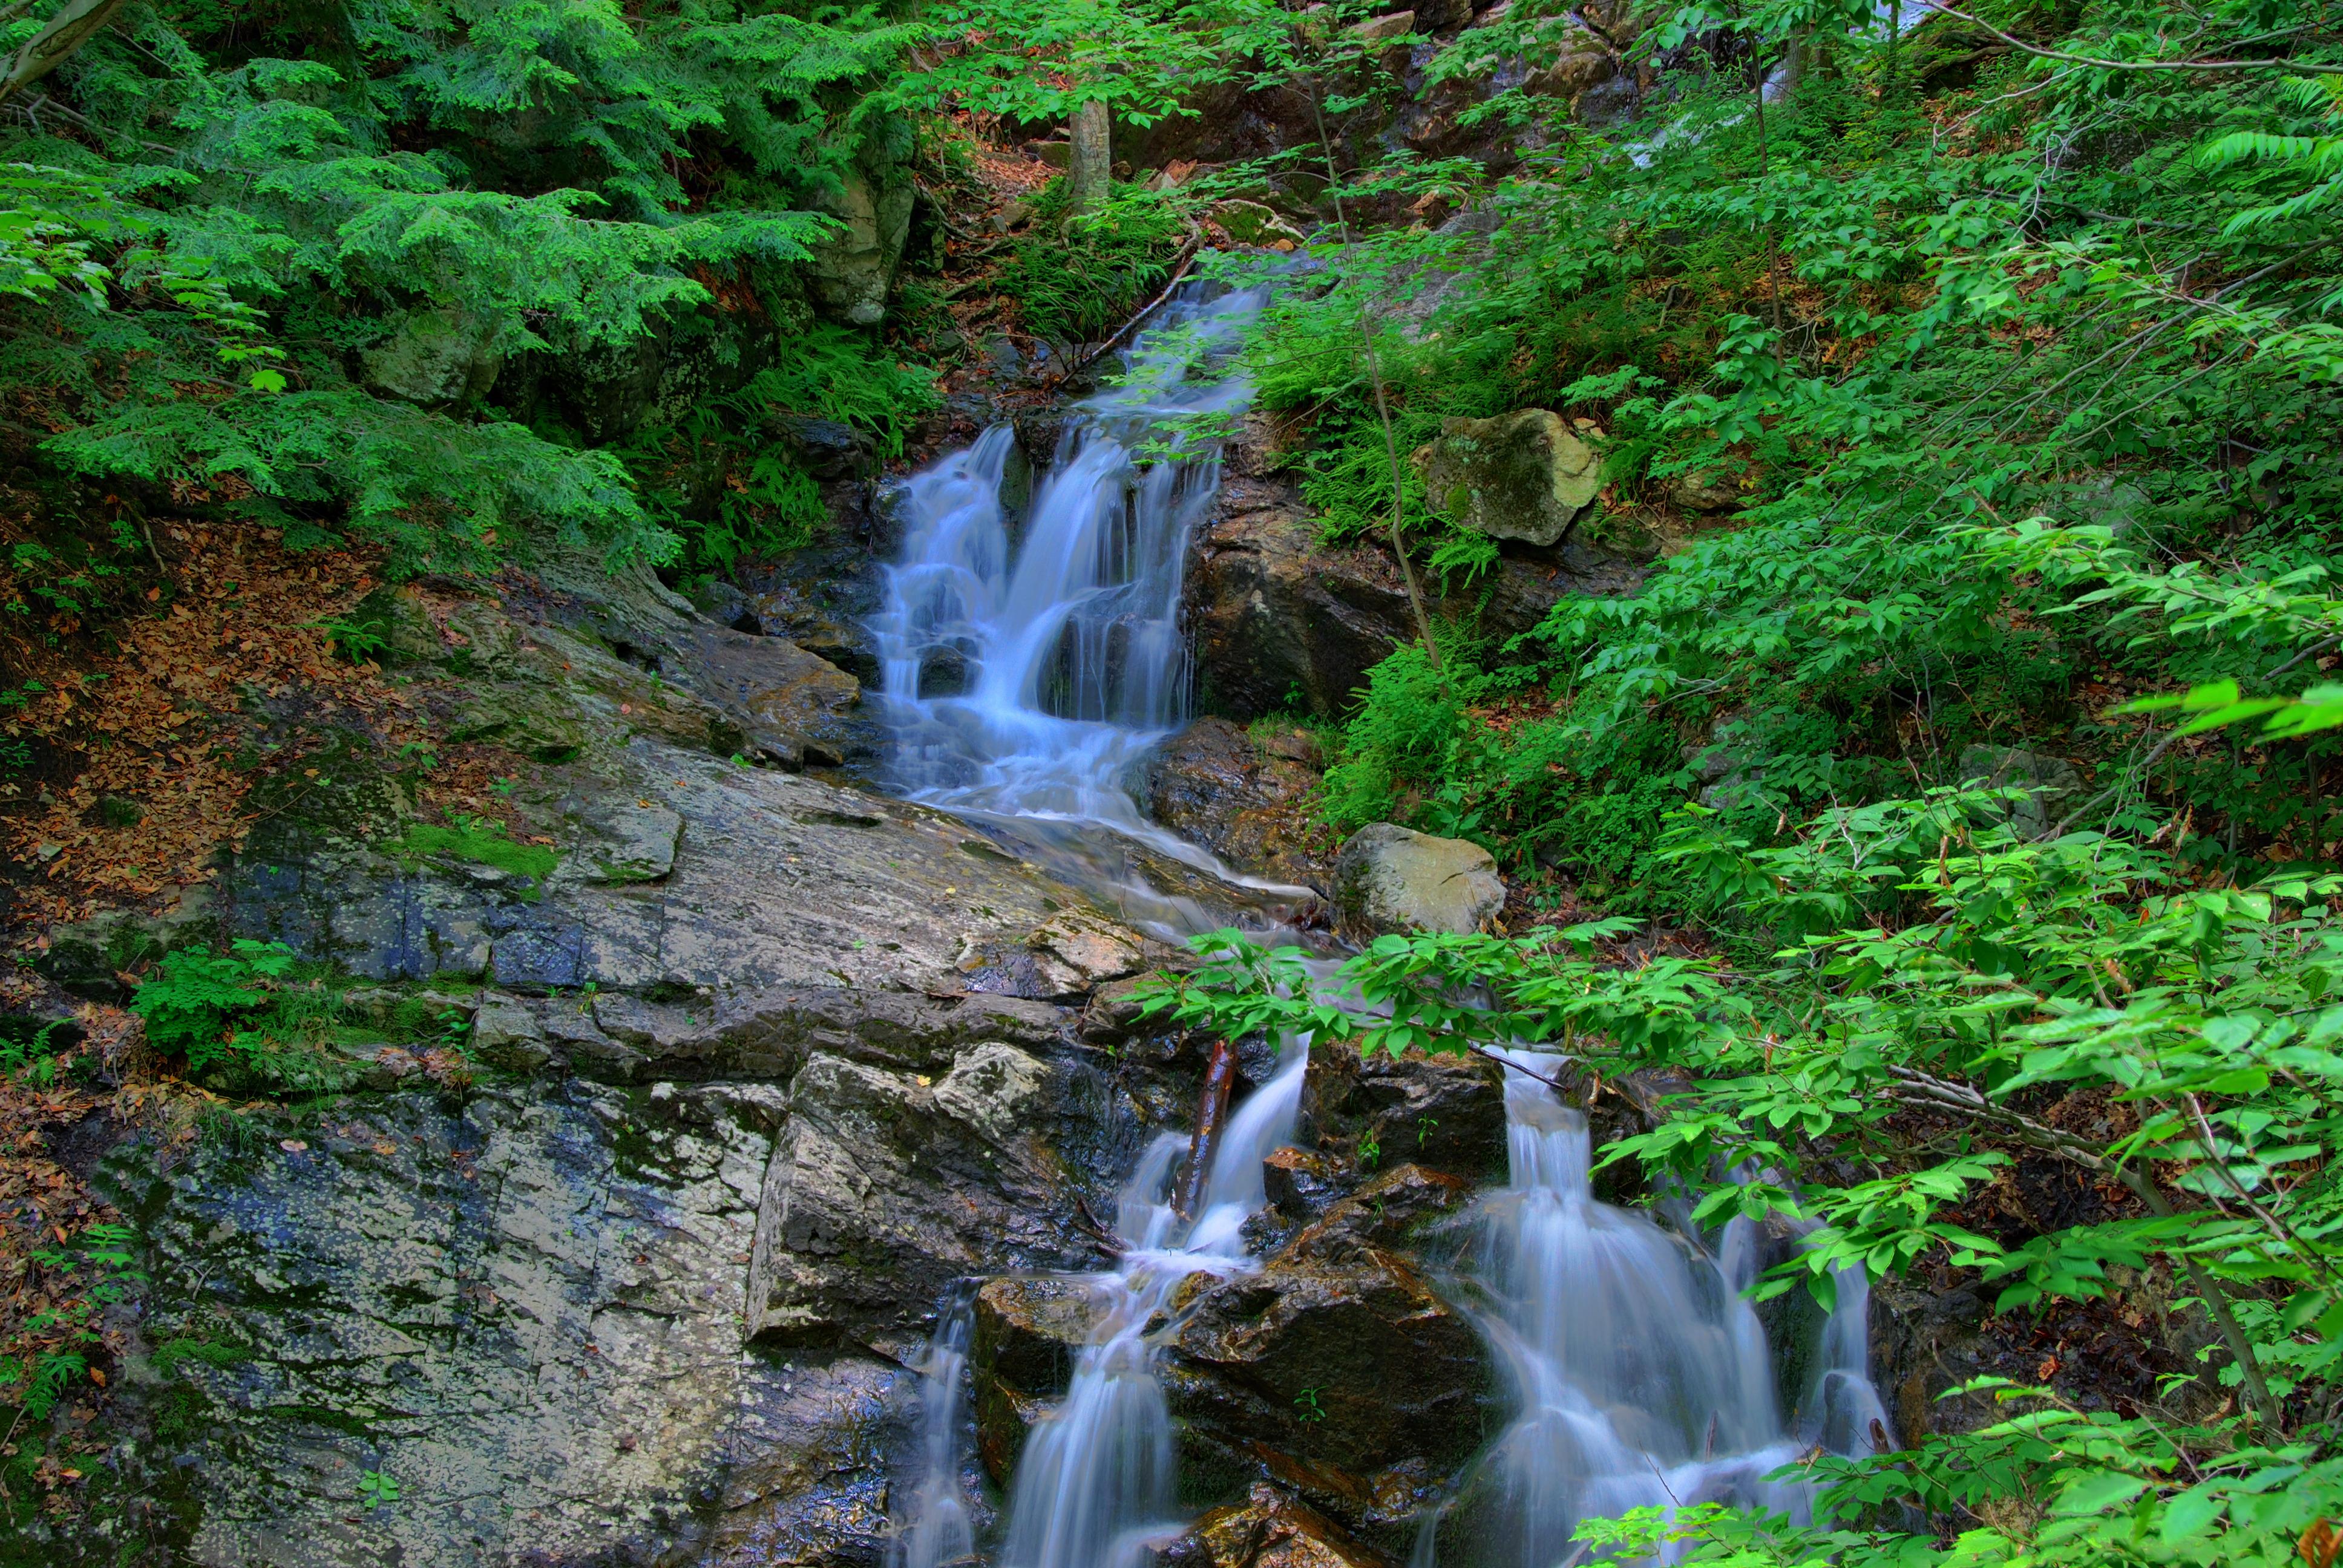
pixel 1032 658
pixel 1640 1374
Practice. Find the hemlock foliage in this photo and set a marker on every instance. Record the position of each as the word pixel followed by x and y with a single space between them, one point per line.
pixel 276 264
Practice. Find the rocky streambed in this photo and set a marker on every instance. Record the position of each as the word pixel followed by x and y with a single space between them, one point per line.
pixel 766 1074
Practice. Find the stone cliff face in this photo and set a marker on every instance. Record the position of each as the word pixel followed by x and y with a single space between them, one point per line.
pixel 1285 622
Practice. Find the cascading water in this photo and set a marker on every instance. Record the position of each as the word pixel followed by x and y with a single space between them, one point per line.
pixel 1095 1482
pixel 1027 674
pixel 1028 670
pixel 1641 1375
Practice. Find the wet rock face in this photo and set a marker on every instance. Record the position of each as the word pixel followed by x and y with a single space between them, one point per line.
pixel 1446 1113
pixel 525 1309
pixel 887 1186
pixel 1028 1333
pixel 1393 879
pixel 1248 800
pixel 1336 1369
pixel 1268 1529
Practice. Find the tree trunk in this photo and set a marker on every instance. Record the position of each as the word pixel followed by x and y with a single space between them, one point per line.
pixel 54 44
pixel 1211 1111
pixel 1093 158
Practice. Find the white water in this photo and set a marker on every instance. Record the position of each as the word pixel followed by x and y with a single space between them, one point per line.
pixel 1055 663
pixel 1640 1375
pixel 935 1527
pixel 1096 1482
pixel 1052 653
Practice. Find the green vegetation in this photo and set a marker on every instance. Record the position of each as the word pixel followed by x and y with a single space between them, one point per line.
pixel 196 1003
pixel 337 272
pixel 1076 278
pixel 1975 764
pixel 478 842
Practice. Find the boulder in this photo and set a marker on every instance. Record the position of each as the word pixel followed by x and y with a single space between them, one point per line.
pixel 794 706
pixel 1393 879
pixel 1283 622
pixel 1338 1347
pixel 820 599
pixel 1247 798
pixel 1523 475
pixel 1251 223
pixel 2052 786
pixel 447 354
pixel 850 272
pixel 1026 1334
pixel 1383 29
pixel 1076 952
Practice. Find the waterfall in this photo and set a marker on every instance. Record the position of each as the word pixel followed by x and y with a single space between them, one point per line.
pixel 1640 1374
pixel 1028 665
pixel 936 1528
pixel 1095 1484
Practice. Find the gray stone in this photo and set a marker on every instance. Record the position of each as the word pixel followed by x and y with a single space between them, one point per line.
pixel 2052 786
pixel 881 1192
pixel 1382 29
pixel 444 354
pixel 1250 799
pixel 1393 879
pixel 1251 223
pixel 1522 476
pixel 1281 621
pixel 539 1340
pixel 506 1033
pixel 850 272
pixel 636 844
pixel 1076 952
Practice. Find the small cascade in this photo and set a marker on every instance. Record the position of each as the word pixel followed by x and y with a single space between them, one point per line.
pixel 935 1530
pixel 1027 668
pixel 1095 1484
pixel 1640 1374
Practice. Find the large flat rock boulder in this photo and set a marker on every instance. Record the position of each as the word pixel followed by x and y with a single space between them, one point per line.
pixel 523 1308
pixel 1337 1369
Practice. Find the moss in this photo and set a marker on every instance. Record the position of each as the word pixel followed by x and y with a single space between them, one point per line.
pixel 480 843
pixel 183 1348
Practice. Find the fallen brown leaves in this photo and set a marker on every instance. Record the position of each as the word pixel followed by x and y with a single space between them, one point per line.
pixel 160 725
pixel 45 1207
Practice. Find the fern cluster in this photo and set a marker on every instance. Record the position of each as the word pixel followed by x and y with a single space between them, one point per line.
pixel 2102 298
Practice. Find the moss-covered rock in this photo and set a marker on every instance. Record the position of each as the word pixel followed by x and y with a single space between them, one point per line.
pixel 1523 475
